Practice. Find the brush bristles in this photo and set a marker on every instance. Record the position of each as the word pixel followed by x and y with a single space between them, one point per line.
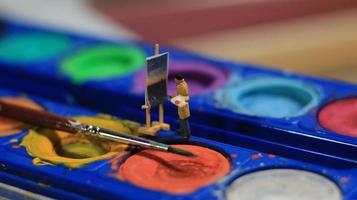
pixel 181 152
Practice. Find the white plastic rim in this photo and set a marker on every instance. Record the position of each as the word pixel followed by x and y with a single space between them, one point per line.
pixel 283 184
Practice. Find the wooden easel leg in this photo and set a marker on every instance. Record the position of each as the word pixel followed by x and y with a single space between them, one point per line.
pixel 148 118
pixel 161 113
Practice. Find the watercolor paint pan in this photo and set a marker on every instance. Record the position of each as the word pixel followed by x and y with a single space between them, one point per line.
pixel 96 180
pixel 240 157
pixel 281 107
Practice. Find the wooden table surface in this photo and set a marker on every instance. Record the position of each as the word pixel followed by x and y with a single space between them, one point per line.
pixel 323 45
pixel 315 37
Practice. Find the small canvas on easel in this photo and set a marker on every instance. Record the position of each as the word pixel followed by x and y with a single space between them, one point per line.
pixel 157 72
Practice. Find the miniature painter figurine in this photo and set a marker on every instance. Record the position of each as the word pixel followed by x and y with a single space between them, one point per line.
pixel 181 101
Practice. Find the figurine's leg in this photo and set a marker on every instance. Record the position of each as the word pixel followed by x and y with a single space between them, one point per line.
pixel 186 130
pixel 180 129
pixel 182 125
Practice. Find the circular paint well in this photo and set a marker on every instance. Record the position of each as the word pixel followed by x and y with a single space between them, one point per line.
pixel 75 147
pixel 58 147
pixel 103 62
pixel 340 116
pixel 175 173
pixel 201 77
pixel 283 184
pixel 10 126
pixel 272 97
pixel 29 47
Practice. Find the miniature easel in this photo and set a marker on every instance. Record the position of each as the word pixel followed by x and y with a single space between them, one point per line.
pixel 151 129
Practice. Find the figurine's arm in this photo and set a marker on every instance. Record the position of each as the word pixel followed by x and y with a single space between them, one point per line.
pixel 182 90
pixel 185 93
pixel 145 106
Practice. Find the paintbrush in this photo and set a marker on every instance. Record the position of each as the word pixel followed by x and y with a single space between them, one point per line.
pixel 57 122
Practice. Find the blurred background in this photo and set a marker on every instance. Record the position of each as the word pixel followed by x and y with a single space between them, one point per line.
pixel 316 37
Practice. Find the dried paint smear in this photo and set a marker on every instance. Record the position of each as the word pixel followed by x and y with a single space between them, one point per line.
pixel 58 147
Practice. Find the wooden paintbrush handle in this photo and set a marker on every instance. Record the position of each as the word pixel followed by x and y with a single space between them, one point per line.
pixel 39 118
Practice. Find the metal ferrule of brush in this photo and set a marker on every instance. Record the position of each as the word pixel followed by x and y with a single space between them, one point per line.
pixel 96 131
pixel 90 130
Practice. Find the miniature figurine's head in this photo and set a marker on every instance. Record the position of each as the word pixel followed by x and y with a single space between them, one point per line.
pixel 178 78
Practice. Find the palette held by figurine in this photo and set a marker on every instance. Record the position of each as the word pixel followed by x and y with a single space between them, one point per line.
pixel 63 165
